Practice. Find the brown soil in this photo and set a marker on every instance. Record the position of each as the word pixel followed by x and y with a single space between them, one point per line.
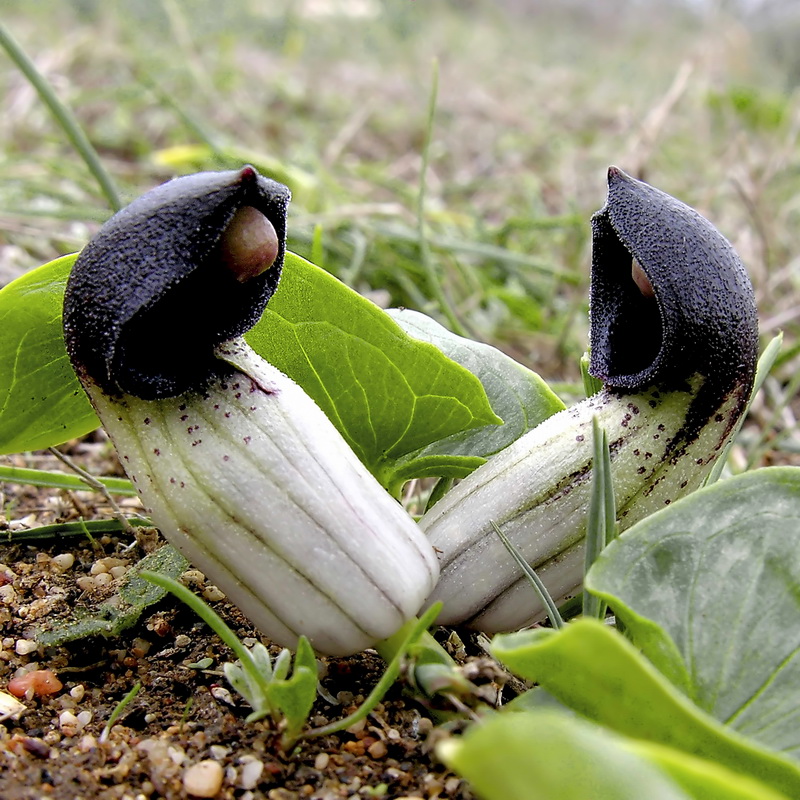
pixel 183 714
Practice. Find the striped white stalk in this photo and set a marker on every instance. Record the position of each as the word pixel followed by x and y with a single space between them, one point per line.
pixel 239 468
pixel 674 337
pixel 251 481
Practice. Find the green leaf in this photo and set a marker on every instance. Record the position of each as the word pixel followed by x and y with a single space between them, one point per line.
pixel 701 778
pixel 389 395
pixel 546 755
pixel 517 395
pixel 41 402
pixel 295 696
pixel 594 670
pixel 712 584
pixel 134 596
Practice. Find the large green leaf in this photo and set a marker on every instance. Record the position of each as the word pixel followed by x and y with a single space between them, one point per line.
pixel 517 395
pixel 594 670
pixel 714 581
pixel 390 396
pixel 41 402
pixel 549 756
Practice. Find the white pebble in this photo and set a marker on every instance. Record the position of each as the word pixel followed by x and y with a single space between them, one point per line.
pixel 321 761
pixel 8 594
pixel 117 572
pixel 103 579
pixel 203 779
pixel 193 576
pixel 77 692
pixel 25 646
pixel 182 640
pixel 20 524
pixel 250 772
pixel 99 568
pixel 68 723
pixel 84 718
pixel 213 594
pixel 86 583
pixel 63 561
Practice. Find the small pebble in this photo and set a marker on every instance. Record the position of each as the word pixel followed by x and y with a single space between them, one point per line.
pixel 77 692
pixel 63 561
pixel 84 718
pixel 103 579
pixel 203 779
pixel 321 761
pixel 117 572
pixel 10 707
pixel 140 647
pixel 182 640
pixel 377 750
pixel 41 682
pixel 25 646
pixel 193 577
pixel 357 727
pixel 8 594
pixel 25 522
pixel 86 583
pixel 87 743
pixel 213 594
pixel 68 723
pixel 250 772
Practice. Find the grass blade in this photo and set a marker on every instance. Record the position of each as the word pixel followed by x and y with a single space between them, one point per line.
pixel 556 620
pixel 63 116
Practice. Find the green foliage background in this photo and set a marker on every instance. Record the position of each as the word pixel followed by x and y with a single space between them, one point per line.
pixel 534 103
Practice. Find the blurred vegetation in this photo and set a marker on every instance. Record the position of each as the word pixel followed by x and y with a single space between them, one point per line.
pixel 535 99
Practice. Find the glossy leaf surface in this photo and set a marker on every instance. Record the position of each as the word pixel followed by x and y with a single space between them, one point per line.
pixel 594 670
pixel 709 589
pixel 518 396
pixel 41 402
pixel 389 395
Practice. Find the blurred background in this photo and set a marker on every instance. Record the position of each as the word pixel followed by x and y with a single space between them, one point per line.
pixel 477 213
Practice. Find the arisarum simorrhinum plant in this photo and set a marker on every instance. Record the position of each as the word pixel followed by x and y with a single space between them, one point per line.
pixel 239 468
pixel 674 341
